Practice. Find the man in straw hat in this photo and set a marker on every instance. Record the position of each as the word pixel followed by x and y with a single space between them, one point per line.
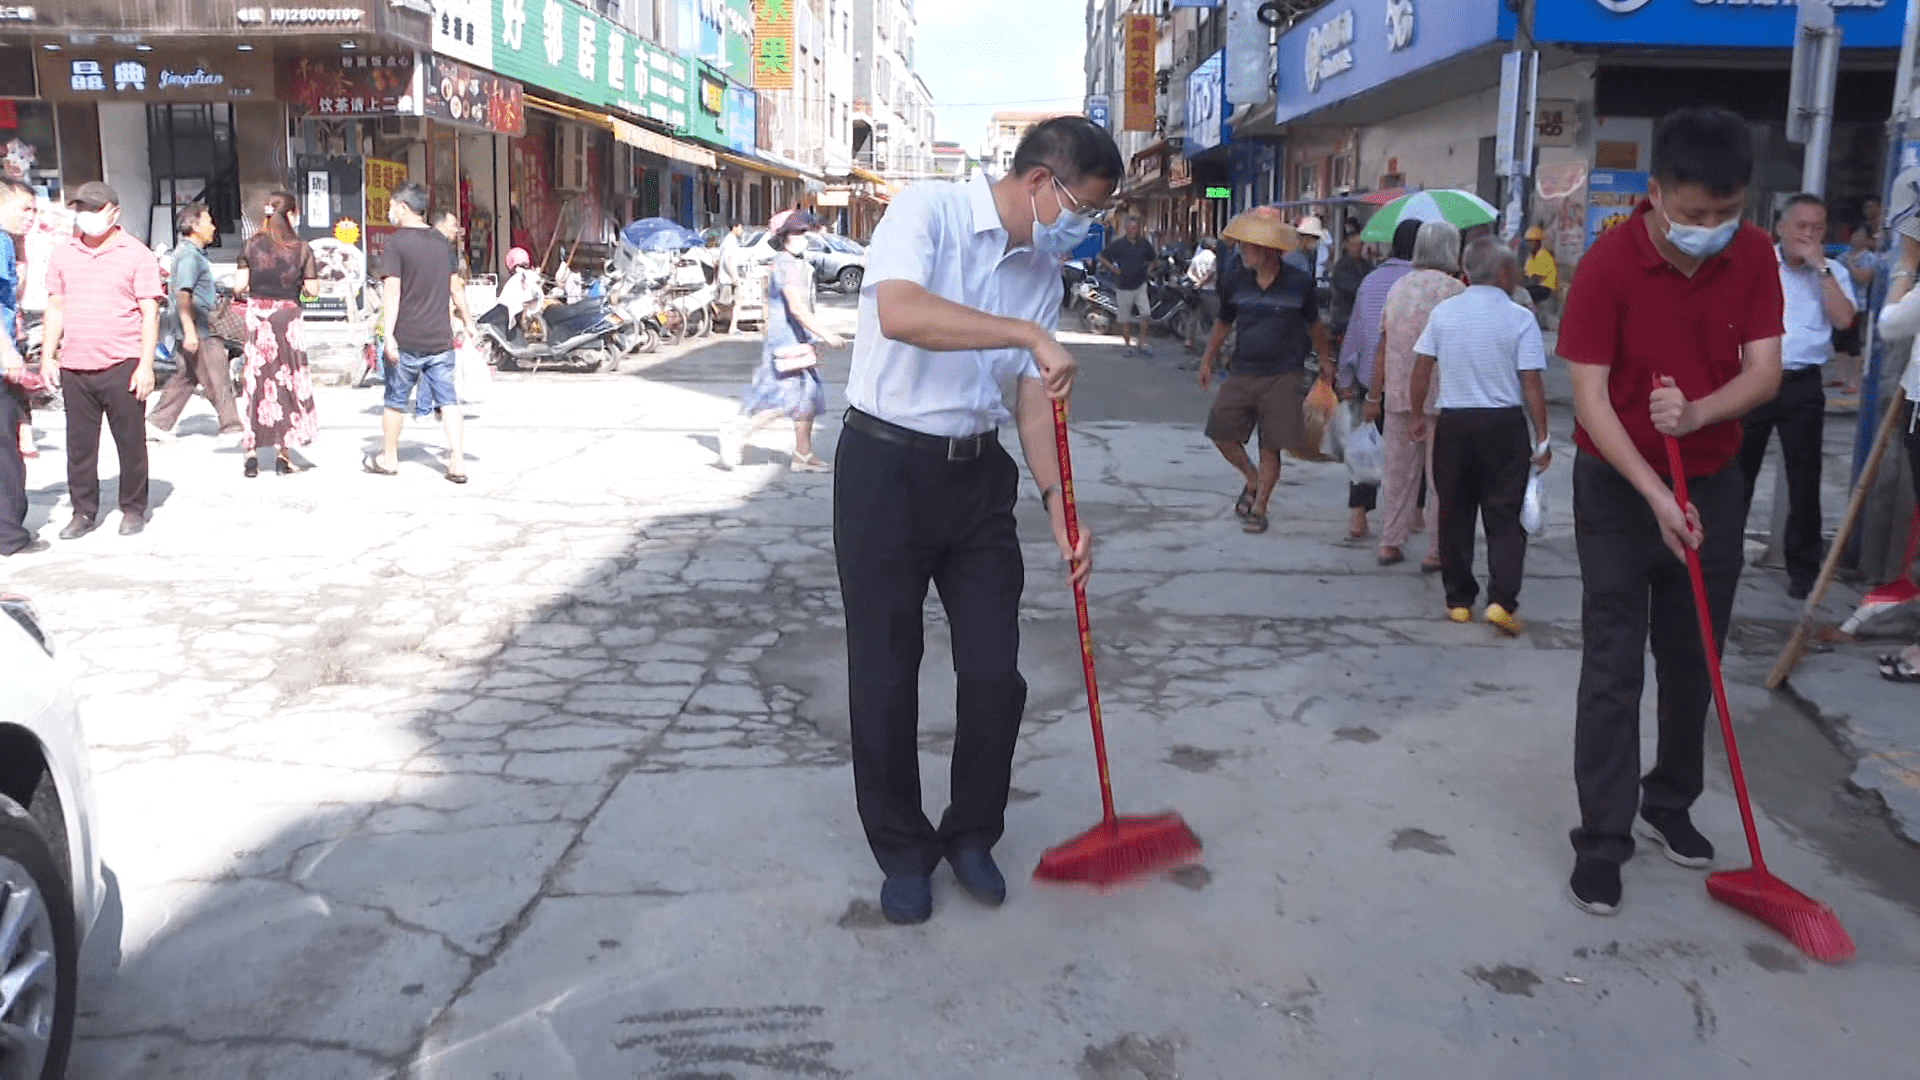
pixel 1271 303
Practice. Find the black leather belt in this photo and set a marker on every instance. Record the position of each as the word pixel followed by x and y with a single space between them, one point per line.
pixel 1807 372
pixel 965 448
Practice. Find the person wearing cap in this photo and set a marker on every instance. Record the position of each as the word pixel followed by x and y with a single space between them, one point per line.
pixel 203 353
pixel 787 383
pixel 960 306
pixel 1542 272
pixel 1272 304
pixel 16 203
pixel 100 328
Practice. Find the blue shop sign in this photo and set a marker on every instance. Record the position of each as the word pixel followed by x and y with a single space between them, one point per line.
pixel 1711 24
pixel 1346 49
pixel 741 120
pixel 1207 105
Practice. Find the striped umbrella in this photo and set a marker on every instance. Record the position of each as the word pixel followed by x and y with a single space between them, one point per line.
pixel 1463 208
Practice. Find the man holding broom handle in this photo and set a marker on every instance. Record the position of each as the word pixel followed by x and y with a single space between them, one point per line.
pixel 1672 328
pixel 959 304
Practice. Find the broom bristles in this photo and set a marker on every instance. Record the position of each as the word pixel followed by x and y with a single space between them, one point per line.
pixel 1128 849
pixel 1811 925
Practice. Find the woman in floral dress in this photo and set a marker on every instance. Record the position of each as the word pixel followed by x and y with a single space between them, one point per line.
pixel 787 383
pixel 273 269
pixel 1436 262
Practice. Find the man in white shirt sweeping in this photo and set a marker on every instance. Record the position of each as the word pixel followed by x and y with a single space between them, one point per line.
pixel 1491 360
pixel 1819 298
pixel 959 305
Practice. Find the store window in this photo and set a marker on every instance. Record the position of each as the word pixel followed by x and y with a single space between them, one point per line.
pixel 30 144
pixel 191 152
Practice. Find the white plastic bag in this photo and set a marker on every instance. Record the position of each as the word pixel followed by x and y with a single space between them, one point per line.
pixel 1365 455
pixel 1533 508
pixel 472 378
pixel 1333 441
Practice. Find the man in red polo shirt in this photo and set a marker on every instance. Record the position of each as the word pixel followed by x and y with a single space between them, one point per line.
pixel 1686 298
pixel 103 315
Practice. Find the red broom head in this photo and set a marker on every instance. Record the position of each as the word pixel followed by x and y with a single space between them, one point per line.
pixel 1809 924
pixel 1126 849
pixel 1893 592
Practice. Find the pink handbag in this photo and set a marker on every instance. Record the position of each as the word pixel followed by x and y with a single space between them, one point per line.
pixel 791 359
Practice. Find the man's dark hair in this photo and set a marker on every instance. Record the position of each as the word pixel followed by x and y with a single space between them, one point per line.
pixel 10 186
pixel 1073 147
pixel 1706 146
pixel 413 197
pixel 1805 198
pixel 441 215
pixel 185 218
pixel 1404 234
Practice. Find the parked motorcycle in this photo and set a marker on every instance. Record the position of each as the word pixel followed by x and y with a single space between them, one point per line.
pixel 579 335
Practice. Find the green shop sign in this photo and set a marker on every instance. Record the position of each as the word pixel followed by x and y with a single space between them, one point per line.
pixel 558 46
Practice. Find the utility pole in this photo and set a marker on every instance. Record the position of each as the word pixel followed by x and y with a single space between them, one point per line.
pixel 1513 139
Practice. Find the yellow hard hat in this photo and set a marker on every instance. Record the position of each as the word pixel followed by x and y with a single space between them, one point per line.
pixel 1536 233
pixel 347 231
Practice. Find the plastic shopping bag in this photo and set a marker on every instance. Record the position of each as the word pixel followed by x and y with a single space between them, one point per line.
pixel 1333 444
pixel 1317 410
pixel 1365 455
pixel 472 378
pixel 1533 508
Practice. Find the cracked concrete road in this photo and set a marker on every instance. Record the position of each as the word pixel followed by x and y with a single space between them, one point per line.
pixel 545 777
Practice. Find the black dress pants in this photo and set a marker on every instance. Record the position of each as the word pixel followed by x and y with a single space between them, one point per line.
pixel 1799 414
pixel 904 516
pixel 90 395
pixel 1481 459
pixel 1633 590
pixel 13 475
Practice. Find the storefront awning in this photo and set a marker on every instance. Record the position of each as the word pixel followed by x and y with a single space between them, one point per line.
pixel 754 164
pixel 655 143
pixel 859 173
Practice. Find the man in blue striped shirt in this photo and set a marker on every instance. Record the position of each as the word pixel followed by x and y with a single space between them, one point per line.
pixel 16 200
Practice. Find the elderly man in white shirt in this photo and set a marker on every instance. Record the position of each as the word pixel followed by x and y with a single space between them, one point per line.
pixel 959 306
pixel 1819 298
pixel 1492 363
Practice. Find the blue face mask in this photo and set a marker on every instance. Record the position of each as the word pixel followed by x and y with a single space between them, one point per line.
pixel 1702 241
pixel 1067 232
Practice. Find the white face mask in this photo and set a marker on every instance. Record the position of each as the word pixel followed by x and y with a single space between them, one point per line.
pixel 796 243
pixel 94 222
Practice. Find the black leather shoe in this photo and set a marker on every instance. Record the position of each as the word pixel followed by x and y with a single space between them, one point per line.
pixel 978 875
pixel 78 527
pixel 906 899
pixel 1798 590
pixel 132 524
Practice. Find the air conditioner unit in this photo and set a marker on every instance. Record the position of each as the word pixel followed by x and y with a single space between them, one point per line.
pixel 570 158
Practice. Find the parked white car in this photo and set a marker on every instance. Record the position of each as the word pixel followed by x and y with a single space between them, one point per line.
pixel 51 884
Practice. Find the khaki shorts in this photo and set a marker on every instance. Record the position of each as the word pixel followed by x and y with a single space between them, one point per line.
pixel 1133 304
pixel 1272 403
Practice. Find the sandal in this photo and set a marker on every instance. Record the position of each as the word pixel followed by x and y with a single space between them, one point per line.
pixel 371 464
pixel 1243 505
pixel 1254 523
pixel 1429 567
pixel 1391 556
pixel 456 477
pixel 1894 668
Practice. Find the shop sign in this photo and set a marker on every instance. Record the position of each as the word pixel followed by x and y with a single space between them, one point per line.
pixel 558 45
pixel 457 93
pixel 1363 44
pixel 1098 110
pixel 1553 122
pixel 1329 49
pixel 76 75
pixel 1611 196
pixel 350 85
pixel 382 178
pixel 1864 24
pixel 1179 173
pixel 773 44
pixel 1207 105
pixel 1139 73
pixel 720 32
pixel 1219 193
pixel 343 17
pixel 463 29
pixel 740 125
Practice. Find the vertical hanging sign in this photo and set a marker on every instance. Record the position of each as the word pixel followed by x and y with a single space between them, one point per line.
pixel 773 44
pixel 1139 73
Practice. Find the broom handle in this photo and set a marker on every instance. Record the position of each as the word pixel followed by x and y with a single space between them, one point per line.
pixel 1108 817
pixel 1708 646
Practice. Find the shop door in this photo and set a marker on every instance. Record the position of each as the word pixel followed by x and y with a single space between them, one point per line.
pixel 191 153
pixel 650 194
pixel 683 206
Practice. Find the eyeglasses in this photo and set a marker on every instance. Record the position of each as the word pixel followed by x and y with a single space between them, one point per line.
pixel 1078 207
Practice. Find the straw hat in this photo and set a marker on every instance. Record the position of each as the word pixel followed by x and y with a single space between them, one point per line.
pixel 1263 226
pixel 1311 226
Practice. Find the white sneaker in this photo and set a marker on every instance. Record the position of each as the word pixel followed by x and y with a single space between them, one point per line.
pixel 808 464
pixel 733 447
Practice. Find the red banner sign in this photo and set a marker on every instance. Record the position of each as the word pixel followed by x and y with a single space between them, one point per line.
pixel 350 85
pixel 1139 56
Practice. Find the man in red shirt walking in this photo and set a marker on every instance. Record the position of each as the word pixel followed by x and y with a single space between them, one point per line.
pixel 102 319
pixel 1673 326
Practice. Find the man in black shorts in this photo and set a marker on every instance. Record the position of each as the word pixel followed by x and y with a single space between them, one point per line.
pixel 1272 303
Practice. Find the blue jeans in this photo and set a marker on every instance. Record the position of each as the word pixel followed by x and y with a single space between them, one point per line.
pixel 432 372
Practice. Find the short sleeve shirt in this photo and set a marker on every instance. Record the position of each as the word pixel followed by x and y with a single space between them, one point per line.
pixel 1132 257
pixel 1629 310
pixel 101 290
pixel 1481 341
pixel 1272 322
pixel 276 271
pixel 193 274
pixel 420 259
pixel 783 330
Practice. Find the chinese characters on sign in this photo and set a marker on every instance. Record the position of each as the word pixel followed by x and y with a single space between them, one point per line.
pixel 773 44
pixel 1553 122
pixel 560 46
pixel 382 178
pixel 481 99
pixel 350 85
pixel 152 76
pixel 1139 53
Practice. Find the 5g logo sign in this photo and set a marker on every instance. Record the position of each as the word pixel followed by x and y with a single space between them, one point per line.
pixel 1622 7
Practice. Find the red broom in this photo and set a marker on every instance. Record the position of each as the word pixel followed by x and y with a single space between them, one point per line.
pixel 1901 589
pixel 1119 848
pixel 1808 923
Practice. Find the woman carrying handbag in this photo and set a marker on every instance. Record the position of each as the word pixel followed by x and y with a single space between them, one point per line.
pixel 787 382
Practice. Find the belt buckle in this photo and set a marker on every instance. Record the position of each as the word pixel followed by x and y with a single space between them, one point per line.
pixel 963 449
